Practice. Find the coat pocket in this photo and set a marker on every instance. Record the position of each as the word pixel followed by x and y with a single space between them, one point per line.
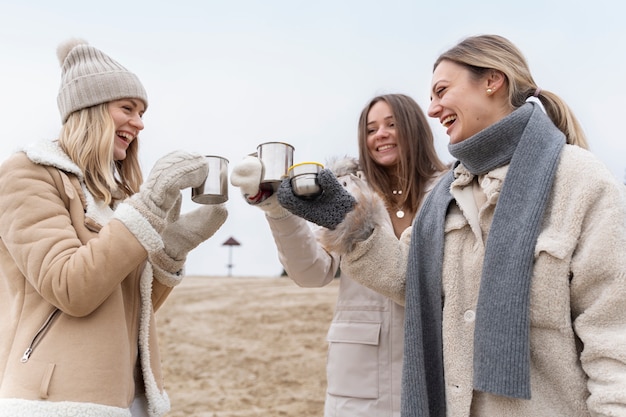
pixel 550 285
pixel 32 378
pixel 352 365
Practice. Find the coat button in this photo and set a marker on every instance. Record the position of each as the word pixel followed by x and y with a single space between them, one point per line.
pixel 469 316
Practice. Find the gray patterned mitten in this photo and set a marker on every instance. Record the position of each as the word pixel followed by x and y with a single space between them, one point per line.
pixel 327 210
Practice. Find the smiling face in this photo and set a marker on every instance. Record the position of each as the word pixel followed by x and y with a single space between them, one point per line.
pixel 382 143
pixel 126 114
pixel 465 104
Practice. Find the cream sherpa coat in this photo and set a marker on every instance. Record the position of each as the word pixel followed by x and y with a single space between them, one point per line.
pixel 578 292
pixel 75 289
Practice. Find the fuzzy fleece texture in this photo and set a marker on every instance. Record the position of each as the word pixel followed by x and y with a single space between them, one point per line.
pixel 370 252
pixel 525 138
pixel 368 213
pixel 577 293
pixel 158 402
pixel 49 153
pixel 27 408
pixel 379 262
pixel 578 321
pixel 139 226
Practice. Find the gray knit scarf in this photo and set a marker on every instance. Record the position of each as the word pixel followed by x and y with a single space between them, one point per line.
pixel 528 141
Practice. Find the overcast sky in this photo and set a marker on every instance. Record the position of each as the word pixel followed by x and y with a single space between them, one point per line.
pixel 224 76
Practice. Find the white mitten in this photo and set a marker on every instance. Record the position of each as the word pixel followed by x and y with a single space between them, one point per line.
pixel 183 235
pixel 247 176
pixel 145 213
pixel 173 172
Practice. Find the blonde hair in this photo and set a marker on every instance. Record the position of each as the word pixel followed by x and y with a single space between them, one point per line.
pixel 88 138
pixel 418 162
pixel 483 53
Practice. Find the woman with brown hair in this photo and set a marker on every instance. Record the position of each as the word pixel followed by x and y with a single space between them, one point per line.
pixel 397 160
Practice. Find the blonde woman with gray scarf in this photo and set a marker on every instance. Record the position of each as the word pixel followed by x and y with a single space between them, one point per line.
pixel 516 276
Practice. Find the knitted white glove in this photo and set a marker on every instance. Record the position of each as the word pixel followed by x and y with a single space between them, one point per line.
pixel 184 234
pixel 247 176
pixel 173 172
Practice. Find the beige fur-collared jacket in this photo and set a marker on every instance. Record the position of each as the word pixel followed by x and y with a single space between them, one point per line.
pixel 77 296
pixel 578 292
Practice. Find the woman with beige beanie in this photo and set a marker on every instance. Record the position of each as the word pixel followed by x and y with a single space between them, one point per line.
pixel 88 253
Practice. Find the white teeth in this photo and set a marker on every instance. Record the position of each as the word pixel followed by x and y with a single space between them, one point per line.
pixel 448 120
pixel 125 135
pixel 385 147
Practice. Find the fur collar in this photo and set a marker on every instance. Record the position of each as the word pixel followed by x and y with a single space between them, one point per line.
pixel 343 166
pixel 49 153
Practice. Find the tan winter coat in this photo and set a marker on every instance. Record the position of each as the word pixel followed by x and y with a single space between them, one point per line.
pixel 77 297
pixel 578 292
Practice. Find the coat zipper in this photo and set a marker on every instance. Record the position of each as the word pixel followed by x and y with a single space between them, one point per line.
pixel 39 335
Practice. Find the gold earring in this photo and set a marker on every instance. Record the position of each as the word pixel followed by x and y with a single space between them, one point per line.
pixel 489 91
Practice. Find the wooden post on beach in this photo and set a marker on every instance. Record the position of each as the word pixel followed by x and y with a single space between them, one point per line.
pixel 230 242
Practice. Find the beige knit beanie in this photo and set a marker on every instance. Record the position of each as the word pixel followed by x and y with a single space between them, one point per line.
pixel 90 77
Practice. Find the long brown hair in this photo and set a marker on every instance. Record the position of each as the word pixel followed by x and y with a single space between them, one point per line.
pixel 88 138
pixel 418 162
pixel 483 53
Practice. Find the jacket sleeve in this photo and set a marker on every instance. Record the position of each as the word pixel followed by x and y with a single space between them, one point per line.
pixel 379 263
pixel 36 227
pixel 306 262
pixel 371 254
pixel 598 287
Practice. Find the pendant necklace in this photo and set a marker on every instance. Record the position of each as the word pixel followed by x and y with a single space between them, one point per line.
pixel 399 212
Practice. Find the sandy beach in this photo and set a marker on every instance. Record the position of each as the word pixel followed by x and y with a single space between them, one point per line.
pixel 243 347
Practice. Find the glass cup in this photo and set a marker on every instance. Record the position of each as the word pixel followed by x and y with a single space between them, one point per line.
pixel 214 189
